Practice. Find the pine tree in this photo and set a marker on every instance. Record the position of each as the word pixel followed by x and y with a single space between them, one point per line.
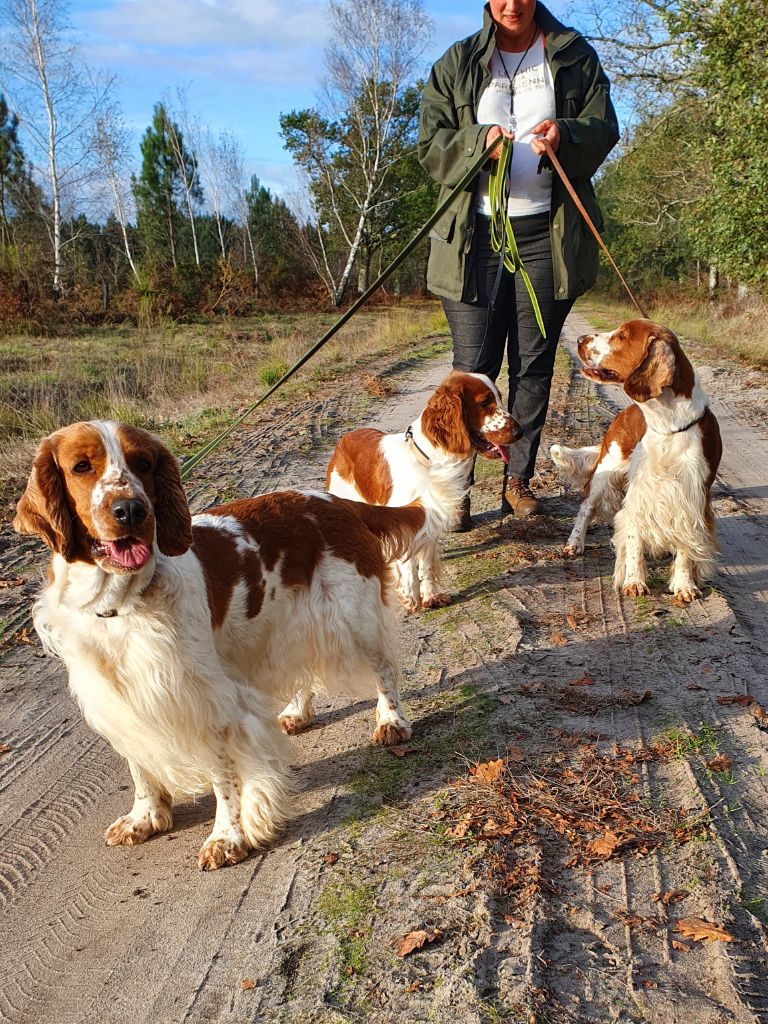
pixel 12 169
pixel 166 165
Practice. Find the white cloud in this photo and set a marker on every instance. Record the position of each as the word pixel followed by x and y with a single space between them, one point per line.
pixel 182 24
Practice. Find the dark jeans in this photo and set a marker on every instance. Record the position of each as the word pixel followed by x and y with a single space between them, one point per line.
pixel 530 356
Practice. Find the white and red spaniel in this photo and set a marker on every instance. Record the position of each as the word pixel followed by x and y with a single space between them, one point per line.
pixel 673 462
pixel 600 472
pixel 180 633
pixel 431 461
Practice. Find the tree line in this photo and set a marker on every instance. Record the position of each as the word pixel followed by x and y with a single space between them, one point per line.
pixel 686 197
pixel 91 228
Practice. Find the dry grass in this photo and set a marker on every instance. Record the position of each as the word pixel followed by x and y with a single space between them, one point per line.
pixel 183 382
pixel 715 330
pixel 537 814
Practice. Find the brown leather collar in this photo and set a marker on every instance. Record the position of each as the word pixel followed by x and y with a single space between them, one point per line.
pixel 420 455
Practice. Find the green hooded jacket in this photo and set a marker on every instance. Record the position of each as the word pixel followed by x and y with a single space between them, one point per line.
pixel 449 141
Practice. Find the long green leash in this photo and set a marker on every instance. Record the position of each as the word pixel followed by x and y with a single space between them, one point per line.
pixel 194 460
pixel 502 235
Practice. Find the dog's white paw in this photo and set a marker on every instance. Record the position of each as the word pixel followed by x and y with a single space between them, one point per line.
pixel 635 588
pixel 687 593
pixel 133 829
pixel 220 850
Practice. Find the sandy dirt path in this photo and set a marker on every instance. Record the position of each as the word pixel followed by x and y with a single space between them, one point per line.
pixel 305 933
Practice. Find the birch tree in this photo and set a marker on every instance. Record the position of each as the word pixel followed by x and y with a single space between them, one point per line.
pixel 110 140
pixel 184 136
pixel 351 144
pixel 57 100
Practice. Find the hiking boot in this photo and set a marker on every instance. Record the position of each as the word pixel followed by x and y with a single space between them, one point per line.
pixel 519 499
pixel 464 522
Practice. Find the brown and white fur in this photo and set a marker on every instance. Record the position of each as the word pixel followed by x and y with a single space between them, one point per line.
pixel 180 633
pixel 463 418
pixel 600 472
pixel 672 467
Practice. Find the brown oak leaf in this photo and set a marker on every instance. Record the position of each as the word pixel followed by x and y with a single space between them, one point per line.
pixel 488 771
pixel 400 751
pixel 699 930
pixel 682 946
pixel 330 858
pixel 742 699
pixel 674 896
pixel 415 940
pixel 721 763
pixel 605 845
pixel 761 716
pixel 557 639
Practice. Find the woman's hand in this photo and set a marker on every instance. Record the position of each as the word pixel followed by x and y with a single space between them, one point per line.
pixel 549 130
pixel 496 132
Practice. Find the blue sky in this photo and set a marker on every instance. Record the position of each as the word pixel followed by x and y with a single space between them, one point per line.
pixel 241 62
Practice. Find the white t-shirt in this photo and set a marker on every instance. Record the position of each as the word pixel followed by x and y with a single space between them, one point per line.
pixel 532 101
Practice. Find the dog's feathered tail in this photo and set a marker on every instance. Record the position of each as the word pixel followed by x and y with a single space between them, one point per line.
pixel 401 530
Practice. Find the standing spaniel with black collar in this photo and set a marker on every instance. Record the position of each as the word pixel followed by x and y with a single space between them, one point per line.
pixel 430 462
pixel 673 462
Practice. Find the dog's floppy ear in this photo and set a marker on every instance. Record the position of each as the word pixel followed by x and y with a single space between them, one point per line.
pixel 443 420
pixel 43 510
pixel 174 523
pixel 655 371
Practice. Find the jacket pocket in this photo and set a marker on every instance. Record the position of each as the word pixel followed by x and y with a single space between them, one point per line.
pixel 444 227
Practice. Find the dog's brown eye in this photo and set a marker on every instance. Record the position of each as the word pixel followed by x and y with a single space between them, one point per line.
pixel 143 465
pixel 83 466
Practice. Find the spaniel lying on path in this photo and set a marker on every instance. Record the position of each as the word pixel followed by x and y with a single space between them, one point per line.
pixel 672 463
pixel 179 633
pixel 430 462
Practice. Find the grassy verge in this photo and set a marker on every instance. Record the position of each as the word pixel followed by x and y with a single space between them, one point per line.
pixel 715 331
pixel 184 382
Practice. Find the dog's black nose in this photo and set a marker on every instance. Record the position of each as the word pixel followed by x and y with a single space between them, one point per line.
pixel 129 511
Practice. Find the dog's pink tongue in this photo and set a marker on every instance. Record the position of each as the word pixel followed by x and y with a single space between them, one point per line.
pixel 502 452
pixel 128 552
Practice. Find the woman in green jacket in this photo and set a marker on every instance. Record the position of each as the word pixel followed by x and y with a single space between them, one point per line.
pixel 525 76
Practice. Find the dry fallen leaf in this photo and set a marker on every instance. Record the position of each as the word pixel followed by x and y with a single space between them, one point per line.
pixel 582 681
pixel 721 763
pixel 675 896
pixel 4 748
pixel 699 930
pixel 760 715
pixel 400 751
pixel 248 983
pixel 605 845
pixel 330 858
pixel 461 828
pixel 742 699
pixel 488 771
pixel 682 946
pixel 415 940
pixel 376 386
pixel 414 986
pixel 557 639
